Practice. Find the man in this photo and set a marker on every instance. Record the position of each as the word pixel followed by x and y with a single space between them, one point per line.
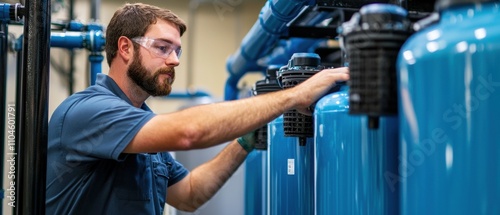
pixel 108 153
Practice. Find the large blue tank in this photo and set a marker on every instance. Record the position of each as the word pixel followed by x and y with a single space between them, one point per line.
pixel 255 183
pixel 352 160
pixel 290 172
pixel 256 161
pixel 449 79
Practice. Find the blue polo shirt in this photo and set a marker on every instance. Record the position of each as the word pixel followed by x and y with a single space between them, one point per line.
pixel 87 173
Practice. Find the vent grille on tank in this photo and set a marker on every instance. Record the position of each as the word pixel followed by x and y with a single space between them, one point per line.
pixel 373 38
pixel 300 67
pixel 267 85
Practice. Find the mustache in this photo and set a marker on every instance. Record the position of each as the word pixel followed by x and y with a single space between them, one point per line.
pixel 167 71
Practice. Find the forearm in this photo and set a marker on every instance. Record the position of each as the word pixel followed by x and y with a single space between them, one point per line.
pixel 222 122
pixel 208 178
pixel 207 125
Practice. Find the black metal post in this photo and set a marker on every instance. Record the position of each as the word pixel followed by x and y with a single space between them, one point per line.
pixel 32 106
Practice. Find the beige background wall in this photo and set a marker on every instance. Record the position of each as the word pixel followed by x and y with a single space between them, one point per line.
pixel 215 31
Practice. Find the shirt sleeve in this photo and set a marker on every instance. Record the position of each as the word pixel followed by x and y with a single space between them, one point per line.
pixel 100 127
pixel 175 169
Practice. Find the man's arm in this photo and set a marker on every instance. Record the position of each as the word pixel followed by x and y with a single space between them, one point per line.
pixel 207 125
pixel 204 181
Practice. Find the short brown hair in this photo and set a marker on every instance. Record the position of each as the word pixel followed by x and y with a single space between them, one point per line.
pixel 133 20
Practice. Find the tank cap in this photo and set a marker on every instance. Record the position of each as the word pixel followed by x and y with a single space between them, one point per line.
pixel 383 8
pixel 272 70
pixel 305 59
pixel 443 4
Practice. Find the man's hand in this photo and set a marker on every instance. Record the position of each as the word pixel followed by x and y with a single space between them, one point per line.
pixel 311 90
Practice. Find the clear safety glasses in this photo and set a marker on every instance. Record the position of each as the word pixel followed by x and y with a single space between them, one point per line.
pixel 159 47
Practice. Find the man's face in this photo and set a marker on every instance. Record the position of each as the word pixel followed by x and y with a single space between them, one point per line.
pixel 152 68
pixel 157 83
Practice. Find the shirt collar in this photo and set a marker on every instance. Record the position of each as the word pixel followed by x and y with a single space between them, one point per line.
pixel 108 83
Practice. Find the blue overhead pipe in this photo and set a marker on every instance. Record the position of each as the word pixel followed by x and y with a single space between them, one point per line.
pixel 285 48
pixel 261 39
pixel 92 40
pixel 11 12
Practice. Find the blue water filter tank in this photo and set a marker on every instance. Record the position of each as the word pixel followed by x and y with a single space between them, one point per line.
pixel 256 161
pixel 290 173
pixel 255 183
pixel 351 160
pixel 449 87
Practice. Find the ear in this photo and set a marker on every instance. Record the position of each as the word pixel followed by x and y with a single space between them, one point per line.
pixel 125 48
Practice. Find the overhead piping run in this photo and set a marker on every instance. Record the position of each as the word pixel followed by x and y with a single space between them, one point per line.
pixel 261 40
pixel 91 39
pixel 285 48
pixel 11 12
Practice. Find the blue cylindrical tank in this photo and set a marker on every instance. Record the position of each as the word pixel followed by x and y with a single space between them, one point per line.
pixel 449 81
pixel 352 160
pixel 290 172
pixel 255 183
pixel 256 161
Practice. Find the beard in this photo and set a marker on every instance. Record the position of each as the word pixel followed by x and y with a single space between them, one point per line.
pixel 150 82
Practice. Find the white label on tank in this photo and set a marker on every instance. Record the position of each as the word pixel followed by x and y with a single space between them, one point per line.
pixel 321 130
pixel 291 167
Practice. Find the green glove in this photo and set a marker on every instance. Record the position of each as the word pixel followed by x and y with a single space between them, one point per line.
pixel 247 141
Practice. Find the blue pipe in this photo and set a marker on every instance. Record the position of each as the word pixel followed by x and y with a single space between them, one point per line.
pixel 96 46
pixel 67 40
pixel 93 41
pixel 11 12
pixel 75 26
pixel 4 12
pixel 95 66
pixel 260 40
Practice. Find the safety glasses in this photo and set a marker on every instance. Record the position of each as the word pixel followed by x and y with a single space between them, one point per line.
pixel 159 47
